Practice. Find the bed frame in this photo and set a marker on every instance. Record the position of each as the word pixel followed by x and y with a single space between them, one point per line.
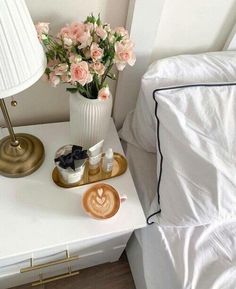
pixel 135 256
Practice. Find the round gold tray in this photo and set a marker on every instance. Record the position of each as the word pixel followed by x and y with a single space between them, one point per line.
pixel 119 167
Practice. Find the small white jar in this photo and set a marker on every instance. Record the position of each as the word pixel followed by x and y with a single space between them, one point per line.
pixel 69 175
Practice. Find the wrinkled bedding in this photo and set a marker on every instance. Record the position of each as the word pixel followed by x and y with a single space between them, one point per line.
pixel 202 257
pixel 190 129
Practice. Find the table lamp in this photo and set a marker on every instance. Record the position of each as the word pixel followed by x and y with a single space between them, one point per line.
pixel 22 62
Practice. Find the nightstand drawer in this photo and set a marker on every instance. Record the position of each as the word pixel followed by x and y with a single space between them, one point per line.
pixel 54 261
pixel 13 268
pixel 48 261
pixel 99 244
pixel 29 262
pixel 54 257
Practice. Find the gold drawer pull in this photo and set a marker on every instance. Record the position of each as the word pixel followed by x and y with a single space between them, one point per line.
pixel 52 263
pixel 42 281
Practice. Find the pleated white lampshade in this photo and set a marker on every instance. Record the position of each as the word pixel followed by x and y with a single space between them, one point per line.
pixel 22 60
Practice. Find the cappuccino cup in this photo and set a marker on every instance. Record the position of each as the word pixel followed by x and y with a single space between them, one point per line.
pixel 102 201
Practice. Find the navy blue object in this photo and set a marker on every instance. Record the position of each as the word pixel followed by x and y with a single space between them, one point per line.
pixel 68 161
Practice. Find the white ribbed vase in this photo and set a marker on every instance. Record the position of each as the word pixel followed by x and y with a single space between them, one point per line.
pixel 89 119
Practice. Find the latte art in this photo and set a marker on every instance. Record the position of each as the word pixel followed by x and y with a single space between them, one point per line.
pixel 101 201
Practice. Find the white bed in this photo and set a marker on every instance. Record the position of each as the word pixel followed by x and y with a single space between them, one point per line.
pixel 172 257
pixel 167 258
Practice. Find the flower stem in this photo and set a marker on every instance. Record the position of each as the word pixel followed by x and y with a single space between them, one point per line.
pixel 106 72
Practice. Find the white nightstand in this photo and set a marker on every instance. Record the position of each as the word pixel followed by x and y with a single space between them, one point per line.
pixel 42 221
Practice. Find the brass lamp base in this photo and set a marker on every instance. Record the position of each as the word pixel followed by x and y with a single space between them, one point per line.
pixel 22 159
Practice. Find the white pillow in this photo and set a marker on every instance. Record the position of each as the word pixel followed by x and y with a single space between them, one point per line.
pixel 139 127
pixel 197 136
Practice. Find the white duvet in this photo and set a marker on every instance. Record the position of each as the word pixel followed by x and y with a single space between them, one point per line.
pixel 202 257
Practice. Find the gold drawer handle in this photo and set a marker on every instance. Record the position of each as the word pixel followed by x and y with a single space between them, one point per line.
pixel 52 263
pixel 42 281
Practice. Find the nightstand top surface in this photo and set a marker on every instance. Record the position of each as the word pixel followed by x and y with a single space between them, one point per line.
pixel 35 214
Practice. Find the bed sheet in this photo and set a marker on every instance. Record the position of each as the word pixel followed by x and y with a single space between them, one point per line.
pixel 142 166
pixel 202 257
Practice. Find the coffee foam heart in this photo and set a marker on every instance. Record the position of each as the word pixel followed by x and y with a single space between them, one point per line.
pixel 101 201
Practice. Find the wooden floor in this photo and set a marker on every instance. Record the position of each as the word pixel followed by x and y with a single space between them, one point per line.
pixel 115 275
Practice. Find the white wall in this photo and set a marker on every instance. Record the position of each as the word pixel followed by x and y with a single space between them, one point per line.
pixel 191 26
pixel 41 103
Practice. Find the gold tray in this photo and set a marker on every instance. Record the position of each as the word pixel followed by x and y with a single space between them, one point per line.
pixel 119 167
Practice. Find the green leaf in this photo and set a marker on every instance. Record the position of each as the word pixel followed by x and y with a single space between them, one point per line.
pixel 111 76
pixel 45 42
pixel 72 89
pixel 47 70
pixel 99 22
pixel 119 38
pixel 90 19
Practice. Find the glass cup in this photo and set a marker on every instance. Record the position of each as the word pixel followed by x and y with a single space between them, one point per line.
pixel 70 176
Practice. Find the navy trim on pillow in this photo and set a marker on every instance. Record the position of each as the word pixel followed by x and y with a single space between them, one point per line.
pixel 158 133
pixel 161 160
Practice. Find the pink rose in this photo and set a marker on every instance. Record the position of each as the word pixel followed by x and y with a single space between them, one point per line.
pixel 71 33
pixel 67 37
pixel 65 32
pixel 81 34
pixel 75 58
pixel 85 39
pixel 53 62
pixel 101 32
pixel 54 80
pixel 77 29
pixel 77 26
pixel 96 52
pixel 66 77
pixel 68 42
pixel 124 54
pixel 121 31
pixel 61 69
pixel 80 73
pixel 104 93
pixel 42 28
pixel 98 68
pixel 86 52
pixel 90 26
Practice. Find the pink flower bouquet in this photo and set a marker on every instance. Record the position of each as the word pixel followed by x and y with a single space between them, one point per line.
pixel 83 54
